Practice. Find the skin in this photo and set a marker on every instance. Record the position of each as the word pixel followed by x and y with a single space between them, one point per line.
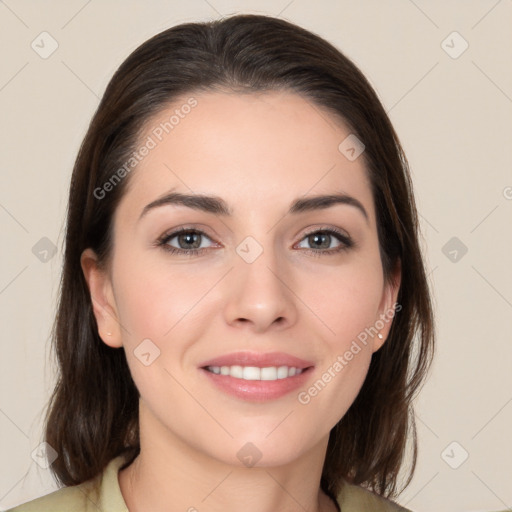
pixel 259 152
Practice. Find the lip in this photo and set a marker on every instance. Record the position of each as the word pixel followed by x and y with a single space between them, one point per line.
pixel 259 360
pixel 257 390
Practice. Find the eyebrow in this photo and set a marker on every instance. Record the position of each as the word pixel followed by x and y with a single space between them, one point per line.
pixel 217 205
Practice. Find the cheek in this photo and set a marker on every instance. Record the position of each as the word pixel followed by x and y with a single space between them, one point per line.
pixel 345 301
pixel 154 300
pixel 163 312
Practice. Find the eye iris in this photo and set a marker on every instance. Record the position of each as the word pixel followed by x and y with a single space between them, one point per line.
pixel 320 240
pixel 190 240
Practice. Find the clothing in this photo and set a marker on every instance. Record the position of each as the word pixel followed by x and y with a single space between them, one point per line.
pixel 107 497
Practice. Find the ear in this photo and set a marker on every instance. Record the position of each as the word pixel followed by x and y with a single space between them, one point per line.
pixel 102 298
pixel 387 308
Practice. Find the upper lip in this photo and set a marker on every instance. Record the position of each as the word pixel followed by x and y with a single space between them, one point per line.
pixel 260 360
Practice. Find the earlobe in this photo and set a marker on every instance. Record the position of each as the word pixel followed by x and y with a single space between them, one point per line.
pixel 102 299
pixel 388 307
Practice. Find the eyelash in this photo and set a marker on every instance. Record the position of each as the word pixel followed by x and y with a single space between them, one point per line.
pixel 346 242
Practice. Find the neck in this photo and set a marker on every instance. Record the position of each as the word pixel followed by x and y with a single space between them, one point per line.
pixel 169 475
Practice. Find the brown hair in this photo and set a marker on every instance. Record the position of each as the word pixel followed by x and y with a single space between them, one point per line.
pixel 93 413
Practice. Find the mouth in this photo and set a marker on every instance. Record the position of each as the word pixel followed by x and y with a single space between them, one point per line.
pixel 257 377
pixel 267 373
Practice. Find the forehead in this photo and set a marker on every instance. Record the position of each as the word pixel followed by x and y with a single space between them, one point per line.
pixel 259 151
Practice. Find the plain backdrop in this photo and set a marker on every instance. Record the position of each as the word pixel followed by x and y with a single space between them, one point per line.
pixel 443 72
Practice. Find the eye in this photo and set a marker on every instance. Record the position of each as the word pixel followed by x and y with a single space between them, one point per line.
pixel 185 241
pixel 321 242
pixel 191 241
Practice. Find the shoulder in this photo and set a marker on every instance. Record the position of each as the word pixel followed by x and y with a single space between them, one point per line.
pixel 99 493
pixel 354 498
pixel 67 499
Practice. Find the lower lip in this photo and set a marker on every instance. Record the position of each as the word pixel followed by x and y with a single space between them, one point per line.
pixel 257 390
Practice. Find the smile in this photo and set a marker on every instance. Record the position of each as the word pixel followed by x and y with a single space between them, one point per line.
pixel 256 373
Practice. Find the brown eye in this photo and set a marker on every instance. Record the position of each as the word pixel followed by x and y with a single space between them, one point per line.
pixel 185 241
pixel 189 240
pixel 319 240
pixel 326 241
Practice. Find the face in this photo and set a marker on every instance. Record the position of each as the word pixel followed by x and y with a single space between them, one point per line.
pixel 253 280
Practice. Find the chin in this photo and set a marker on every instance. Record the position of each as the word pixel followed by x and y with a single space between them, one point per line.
pixel 261 449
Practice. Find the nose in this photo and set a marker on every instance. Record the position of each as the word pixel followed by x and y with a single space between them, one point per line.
pixel 260 295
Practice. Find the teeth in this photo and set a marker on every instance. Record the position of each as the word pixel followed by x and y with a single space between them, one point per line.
pixel 282 372
pixel 255 373
pixel 268 373
pixel 251 373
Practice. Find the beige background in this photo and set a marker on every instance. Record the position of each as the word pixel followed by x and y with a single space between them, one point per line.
pixel 454 118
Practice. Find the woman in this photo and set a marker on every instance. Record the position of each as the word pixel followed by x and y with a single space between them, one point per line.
pixel 244 316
